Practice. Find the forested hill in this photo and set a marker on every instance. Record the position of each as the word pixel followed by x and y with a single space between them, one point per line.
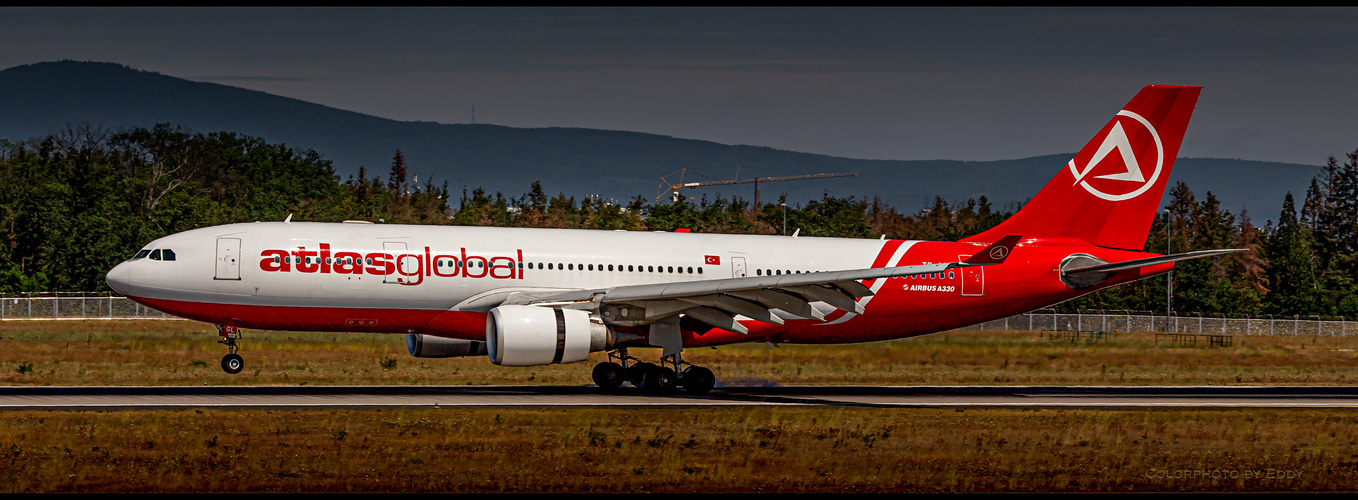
pixel 40 99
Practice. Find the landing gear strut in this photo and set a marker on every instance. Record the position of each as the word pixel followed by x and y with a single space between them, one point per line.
pixel 658 379
pixel 231 363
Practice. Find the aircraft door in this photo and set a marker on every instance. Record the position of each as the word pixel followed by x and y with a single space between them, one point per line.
pixel 737 267
pixel 973 279
pixel 395 249
pixel 228 259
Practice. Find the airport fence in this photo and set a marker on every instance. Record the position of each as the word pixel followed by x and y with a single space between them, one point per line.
pixel 91 306
pixel 74 306
pixel 1142 321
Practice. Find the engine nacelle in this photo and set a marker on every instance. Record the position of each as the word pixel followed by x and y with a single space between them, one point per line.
pixel 430 346
pixel 531 335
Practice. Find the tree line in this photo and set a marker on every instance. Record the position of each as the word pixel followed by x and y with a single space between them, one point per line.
pixel 78 201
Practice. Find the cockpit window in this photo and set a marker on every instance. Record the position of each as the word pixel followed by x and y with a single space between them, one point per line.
pixel 155 254
pixel 142 254
pixel 167 254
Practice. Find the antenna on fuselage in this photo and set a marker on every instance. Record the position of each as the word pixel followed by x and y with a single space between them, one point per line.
pixel 289 219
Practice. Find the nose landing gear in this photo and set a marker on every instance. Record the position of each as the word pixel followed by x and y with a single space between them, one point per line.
pixel 231 363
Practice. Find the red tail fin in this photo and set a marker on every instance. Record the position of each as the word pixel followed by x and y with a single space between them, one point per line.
pixel 1109 193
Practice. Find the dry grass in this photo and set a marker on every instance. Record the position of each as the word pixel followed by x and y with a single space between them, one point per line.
pixel 710 450
pixel 183 352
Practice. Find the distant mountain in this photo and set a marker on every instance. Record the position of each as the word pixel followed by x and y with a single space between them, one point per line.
pixel 39 98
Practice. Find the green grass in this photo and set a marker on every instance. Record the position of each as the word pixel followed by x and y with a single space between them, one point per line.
pixel 183 352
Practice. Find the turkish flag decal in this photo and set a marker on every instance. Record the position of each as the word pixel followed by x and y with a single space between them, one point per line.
pixel 712 260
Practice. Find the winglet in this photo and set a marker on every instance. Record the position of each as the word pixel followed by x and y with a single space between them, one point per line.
pixel 995 253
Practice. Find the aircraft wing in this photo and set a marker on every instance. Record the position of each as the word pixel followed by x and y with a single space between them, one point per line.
pixel 717 302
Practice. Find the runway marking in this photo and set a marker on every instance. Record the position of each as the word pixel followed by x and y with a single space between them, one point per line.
pixel 356 397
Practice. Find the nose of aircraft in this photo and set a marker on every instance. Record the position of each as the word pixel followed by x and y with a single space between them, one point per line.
pixel 120 278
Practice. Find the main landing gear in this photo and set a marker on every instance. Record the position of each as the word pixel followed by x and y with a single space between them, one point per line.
pixel 671 374
pixel 231 363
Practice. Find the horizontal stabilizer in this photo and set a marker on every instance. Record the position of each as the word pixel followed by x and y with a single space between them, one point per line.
pixel 1138 263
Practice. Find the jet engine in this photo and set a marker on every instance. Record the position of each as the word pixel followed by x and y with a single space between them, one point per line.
pixel 532 335
pixel 430 346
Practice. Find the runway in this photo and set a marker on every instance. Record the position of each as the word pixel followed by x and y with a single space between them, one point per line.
pixel 293 397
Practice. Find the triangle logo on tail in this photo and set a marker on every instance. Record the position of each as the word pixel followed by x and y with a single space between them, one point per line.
pixel 1133 181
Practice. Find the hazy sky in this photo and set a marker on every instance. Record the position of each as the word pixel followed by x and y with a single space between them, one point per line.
pixel 971 84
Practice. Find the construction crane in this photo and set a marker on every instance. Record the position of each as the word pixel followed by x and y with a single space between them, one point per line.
pixel 666 185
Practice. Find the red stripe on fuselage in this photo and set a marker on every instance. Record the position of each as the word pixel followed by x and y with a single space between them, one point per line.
pixel 883 259
pixel 455 324
pixel 310 319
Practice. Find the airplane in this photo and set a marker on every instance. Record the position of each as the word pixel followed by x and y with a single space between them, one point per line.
pixel 527 297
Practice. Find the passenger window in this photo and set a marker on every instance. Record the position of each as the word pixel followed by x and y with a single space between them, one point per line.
pixel 610 267
pixel 276 259
pixel 571 267
pixel 690 270
pixel 700 270
pixel 155 254
pixel 650 269
pixel 671 269
pixel 758 272
pixel 629 269
pixel 167 254
pixel 949 274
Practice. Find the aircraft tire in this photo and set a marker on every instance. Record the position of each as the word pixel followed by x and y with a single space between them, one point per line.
pixel 637 373
pixel 609 376
pixel 698 380
pixel 233 363
pixel 661 380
